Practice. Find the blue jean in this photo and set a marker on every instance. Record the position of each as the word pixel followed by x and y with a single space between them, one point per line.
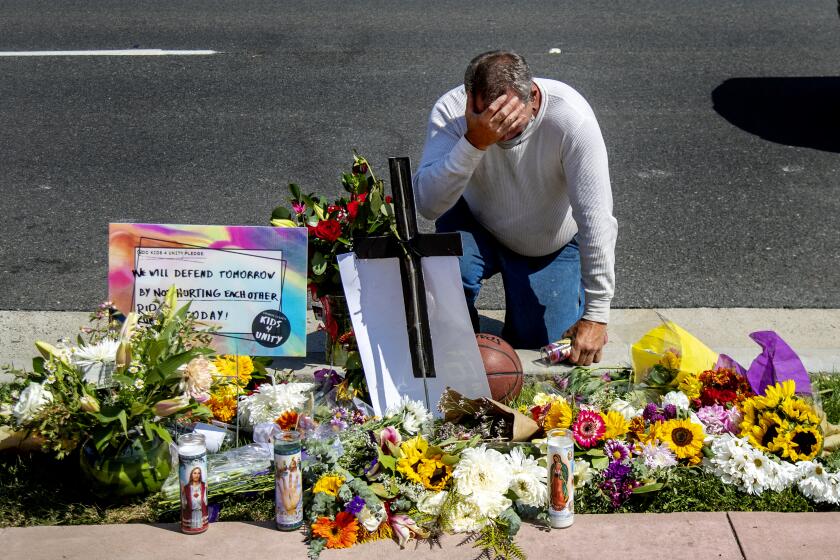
pixel 543 295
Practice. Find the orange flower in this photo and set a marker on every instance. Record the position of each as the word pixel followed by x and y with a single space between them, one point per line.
pixel 287 420
pixel 340 533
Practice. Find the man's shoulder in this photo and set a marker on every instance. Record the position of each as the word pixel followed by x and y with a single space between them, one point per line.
pixel 564 100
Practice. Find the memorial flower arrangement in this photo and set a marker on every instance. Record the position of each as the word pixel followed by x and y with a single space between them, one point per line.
pixel 121 382
pixel 366 210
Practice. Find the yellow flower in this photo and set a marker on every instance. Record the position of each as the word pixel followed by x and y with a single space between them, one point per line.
pixel 684 437
pixel 559 415
pixel 689 384
pixel 433 473
pixel 542 399
pixel 234 369
pixel 223 401
pixel 328 484
pixel 670 360
pixel 750 409
pixel 802 443
pixel 523 409
pixel 616 425
pixel 411 453
pixel 799 411
pixel 766 433
pixel 775 394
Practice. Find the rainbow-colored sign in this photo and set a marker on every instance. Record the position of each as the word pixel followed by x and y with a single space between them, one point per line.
pixel 249 281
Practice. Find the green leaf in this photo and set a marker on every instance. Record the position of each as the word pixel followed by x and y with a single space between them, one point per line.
pixel 600 463
pixel 123 421
pixel 379 489
pixel 137 408
pixel 319 263
pixel 295 190
pixel 655 487
pixel 388 462
pixel 511 520
pixel 595 453
pixel 281 213
pixel 122 379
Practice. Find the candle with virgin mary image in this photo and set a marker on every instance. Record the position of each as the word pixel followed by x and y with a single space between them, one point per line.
pixel 561 484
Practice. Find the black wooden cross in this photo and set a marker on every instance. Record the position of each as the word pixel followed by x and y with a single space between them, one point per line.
pixel 410 248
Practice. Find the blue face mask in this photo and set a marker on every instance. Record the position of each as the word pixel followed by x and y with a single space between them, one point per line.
pixel 519 138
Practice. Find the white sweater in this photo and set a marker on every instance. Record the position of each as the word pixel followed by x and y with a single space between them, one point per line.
pixel 535 196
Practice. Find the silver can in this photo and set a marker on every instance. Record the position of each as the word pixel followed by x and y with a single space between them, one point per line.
pixel 561 478
pixel 288 481
pixel 192 473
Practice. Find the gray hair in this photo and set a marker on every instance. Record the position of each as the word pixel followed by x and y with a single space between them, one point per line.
pixel 491 74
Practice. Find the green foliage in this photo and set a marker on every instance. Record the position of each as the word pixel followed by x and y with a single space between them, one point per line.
pixel 695 490
pixel 827 388
pixel 495 542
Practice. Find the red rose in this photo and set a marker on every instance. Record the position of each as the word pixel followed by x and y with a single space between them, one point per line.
pixel 361 197
pixel 332 208
pixel 726 396
pixel 388 199
pixel 352 209
pixel 328 230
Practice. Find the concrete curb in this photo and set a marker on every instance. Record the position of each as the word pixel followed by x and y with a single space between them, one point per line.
pixel 813 333
pixel 688 536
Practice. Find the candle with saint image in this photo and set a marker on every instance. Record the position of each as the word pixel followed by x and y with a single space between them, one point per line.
pixel 192 472
pixel 561 483
pixel 288 486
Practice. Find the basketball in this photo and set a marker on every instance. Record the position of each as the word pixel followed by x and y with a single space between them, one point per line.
pixel 502 365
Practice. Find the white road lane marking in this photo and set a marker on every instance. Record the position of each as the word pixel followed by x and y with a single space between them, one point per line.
pixel 125 52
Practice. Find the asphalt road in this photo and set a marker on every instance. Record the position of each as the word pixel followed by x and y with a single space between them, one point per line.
pixel 722 121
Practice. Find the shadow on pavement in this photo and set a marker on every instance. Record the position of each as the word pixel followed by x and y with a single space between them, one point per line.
pixel 800 111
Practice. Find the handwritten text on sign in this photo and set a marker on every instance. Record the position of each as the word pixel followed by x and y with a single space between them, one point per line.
pixel 229 287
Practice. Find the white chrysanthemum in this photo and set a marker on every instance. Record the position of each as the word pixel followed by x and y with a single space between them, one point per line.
pixel 658 456
pixel 490 504
pixel 270 401
pixel 411 414
pixel 625 409
pixel 31 401
pixel 736 462
pixel 464 517
pixel 676 398
pixel 816 483
pixel 431 502
pixel 528 479
pixel 101 353
pixel 482 470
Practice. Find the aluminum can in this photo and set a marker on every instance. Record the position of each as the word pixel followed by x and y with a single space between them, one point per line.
pixel 561 478
pixel 556 352
pixel 192 474
pixel 288 485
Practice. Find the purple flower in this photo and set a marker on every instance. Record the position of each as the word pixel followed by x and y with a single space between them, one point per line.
pixel 355 505
pixel 670 411
pixel 617 471
pixel 616 450
pixel 328 377
pixel 617 483
pixel 650 411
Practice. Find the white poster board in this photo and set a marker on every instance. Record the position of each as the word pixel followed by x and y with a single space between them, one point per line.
pixel 375 298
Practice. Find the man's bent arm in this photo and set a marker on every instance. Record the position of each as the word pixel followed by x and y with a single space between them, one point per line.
pixel 447 164
pixel 588 179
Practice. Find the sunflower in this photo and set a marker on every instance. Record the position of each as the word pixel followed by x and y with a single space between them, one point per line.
pixel 684 437
pixel 559 415
pixel 223 401
pixel 288 420
pixel 616 425
pixel 750 409
pixel 766 434
pixel 799 411
pixel 236 369
pixel 802 443
pixel 339 533
pixel 328 484
pixel 382 532
pixel 434 473
pixel 775 394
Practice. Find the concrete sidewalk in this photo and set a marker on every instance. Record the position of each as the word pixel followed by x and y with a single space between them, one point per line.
pixel 813 333
pixel 683 536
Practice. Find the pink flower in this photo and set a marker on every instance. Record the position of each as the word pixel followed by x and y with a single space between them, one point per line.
pixel 404 527
pixel 588 428
pixel 298 207
pixel 389 440
pixel 169 407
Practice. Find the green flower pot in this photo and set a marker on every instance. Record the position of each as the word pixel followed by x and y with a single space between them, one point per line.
pixel 136 468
